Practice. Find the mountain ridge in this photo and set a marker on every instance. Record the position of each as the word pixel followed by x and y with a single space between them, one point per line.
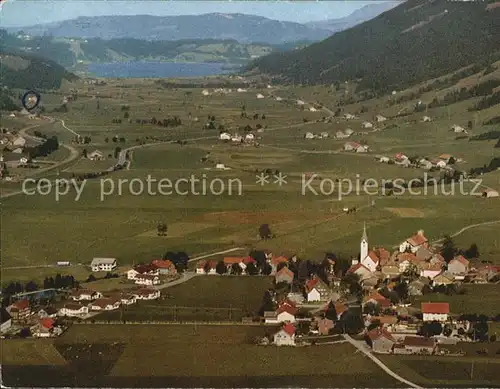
pixel 240 27
pixel 404 45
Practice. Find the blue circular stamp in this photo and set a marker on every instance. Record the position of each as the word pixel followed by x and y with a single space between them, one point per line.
pixel 30 100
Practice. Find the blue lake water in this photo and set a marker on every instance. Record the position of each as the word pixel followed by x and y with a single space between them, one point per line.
pixel 158 69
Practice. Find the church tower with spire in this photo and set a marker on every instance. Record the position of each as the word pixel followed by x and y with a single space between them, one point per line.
pixel 363 245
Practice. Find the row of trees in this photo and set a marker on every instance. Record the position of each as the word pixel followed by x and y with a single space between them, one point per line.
pixel 47 147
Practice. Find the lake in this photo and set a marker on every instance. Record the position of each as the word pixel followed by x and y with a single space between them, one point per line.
pixel 158 69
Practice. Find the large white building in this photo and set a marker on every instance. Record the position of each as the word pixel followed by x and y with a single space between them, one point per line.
pixel 103 264
pixel 435 311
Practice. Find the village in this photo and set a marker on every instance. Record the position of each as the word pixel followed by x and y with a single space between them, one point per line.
pixel 378 298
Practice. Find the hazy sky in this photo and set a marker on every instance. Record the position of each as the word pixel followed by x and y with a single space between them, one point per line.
pixel 16 13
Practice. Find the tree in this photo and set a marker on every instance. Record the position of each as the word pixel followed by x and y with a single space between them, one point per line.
pixel 371 308
pixel 411 272
pixel 265 232
pixel 84 153
pixel 25 333
pixel 236 269
pixel 267 303
pixel 470 125
pixel 117 151
pixel 259 256
pixel 31 287
pixel 448 250
pixel 106 140
pixel 126 115
pixel 220 268
pixel 207 267
pixel 252 269
pixel 401 289
pixel 331 312
pixel 447 330
pixel 266 269
pixel 162 229
pixel 351 282
pixel 91 278
pixel 351 322
pixel 472 252
pixel 432 328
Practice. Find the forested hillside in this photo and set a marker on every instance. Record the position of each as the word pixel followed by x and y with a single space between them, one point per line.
pixel 413 42
pixel 24 71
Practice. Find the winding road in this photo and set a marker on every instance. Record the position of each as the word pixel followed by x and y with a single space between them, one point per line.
pixel 369 354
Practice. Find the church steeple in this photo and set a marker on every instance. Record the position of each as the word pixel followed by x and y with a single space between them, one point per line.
pixel 364 237
pixel 363 252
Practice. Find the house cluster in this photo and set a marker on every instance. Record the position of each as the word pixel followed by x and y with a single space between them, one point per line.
pixel 442 162
pixel 13 153
pixel 41 322
pixel 85 301
pixel 344 134
pixel 322 135
pixel 396 335
pixel 96 155
pixel 231 265
pixel 248 138
pixel 415 254
pixel 355 147
pixel 149 274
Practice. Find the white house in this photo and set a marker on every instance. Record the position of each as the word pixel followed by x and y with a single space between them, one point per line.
pixel 103 264
pixel 220 166
pixel 240 90
pixel 249 137
pixel 435 311
pixel 426 119
pixel 202 267
pixel 490 193
pixel 73 309
pixel 285 336
pixel 131 274
pixel 367 125
pixel 284 314
pixel 309 135
pixel 147 279
pixel 380 118
pixel 105 304
pixel 260 96
pixel 95 155
pixel 348 116
pixel 128 299
pixel 279 99
pixel 84 295
pixel 457 129
pixel 237 139
pixel 224 136
pixel 147 294
pixel 205 92
pixel 414 242
pixel 312 109
pixel 439 163
pixel 300 102
pixel 384 159
pixel 316 290
pixel 349 132
pixel 324 135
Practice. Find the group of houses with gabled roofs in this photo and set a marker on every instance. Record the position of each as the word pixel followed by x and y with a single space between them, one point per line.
pixel 149 274
pixel 230 266
pixel 355 147
pixel 86 301
pixel 248 138
pixel 416 255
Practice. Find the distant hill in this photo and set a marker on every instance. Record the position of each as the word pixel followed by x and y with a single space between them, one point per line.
pixel 239 27
pixel 413 42
pixel 361 15
pixel 73 52
pixel 25 71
